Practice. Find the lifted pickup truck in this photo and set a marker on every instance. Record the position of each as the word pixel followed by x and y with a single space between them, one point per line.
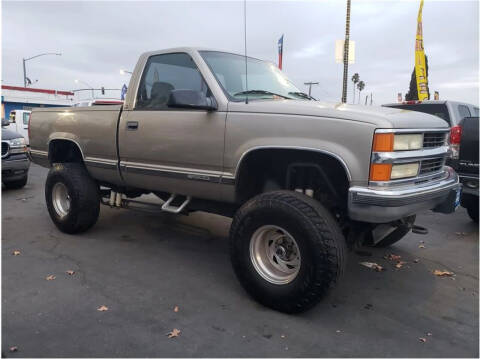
pixel 302 179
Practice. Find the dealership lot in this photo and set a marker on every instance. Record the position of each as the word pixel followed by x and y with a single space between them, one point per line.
pixel 141 266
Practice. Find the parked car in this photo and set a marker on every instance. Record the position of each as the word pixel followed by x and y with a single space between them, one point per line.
pixel 19 122
pixel 302 179
pixel 465 161
pixel 451 111
pixel 15 163
pixel 463 141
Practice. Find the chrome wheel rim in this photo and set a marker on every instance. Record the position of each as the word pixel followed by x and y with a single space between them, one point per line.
pixel 275 254
pixel 61 199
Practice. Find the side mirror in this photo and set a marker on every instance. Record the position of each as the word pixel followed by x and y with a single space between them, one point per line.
pixel 190 99
pixel 5 122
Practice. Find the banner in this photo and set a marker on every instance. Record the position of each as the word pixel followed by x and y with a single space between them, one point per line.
pixel 280 52
pixel 420 66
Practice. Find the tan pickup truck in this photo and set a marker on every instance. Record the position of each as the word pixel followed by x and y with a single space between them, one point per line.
pixel 303 180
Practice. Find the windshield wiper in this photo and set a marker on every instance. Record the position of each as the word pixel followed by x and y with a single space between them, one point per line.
pixel 302 95
pixel 259 92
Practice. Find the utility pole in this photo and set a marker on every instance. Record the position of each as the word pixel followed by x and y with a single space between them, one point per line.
pixel 309 84
pixel 345 54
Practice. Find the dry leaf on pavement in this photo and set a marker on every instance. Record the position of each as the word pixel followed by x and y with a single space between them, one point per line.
pixel 423 340
pixel 50 277
pixel 400 264
pixel 372 265
pixel 416 260
pixel 13 349
pixel 16 252
pixel 174 333
pixel 102 308
pixel 421 246
pixel 442 273
pixel 175 309
pixel 393 257
pixel 70 272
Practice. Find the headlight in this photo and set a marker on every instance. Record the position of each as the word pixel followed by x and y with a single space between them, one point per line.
pixel 407 142
pixel 404 170
pixel 388 142
pixel 17 145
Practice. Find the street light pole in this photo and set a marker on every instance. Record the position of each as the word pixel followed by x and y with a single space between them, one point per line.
pixel 345 54
pixel 309 84
pixel 30 58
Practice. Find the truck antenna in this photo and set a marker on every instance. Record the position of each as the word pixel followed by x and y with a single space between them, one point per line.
pixel 245 38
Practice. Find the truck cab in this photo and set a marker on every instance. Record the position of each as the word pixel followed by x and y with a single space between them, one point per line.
pixel 19 122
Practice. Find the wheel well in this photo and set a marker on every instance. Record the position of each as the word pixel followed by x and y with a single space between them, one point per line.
pixel 60 151
pixel 264 170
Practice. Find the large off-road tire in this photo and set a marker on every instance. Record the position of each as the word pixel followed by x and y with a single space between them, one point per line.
pixel 16 184
pixel 72 196
pixel 472 210
pixel 287 250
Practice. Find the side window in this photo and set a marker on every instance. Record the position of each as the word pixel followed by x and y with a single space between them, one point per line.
pixel 164 73
pixel 475 111
pixel 464 111
pixel 26 117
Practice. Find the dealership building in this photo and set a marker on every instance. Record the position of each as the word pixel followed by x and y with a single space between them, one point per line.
pixel 26 98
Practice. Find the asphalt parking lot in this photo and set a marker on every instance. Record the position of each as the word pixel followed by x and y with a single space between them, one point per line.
pixel 141 266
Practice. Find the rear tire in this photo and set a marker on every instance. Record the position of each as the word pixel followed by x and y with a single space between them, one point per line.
pixel 302 255
pixel 72 196
pixel 16 184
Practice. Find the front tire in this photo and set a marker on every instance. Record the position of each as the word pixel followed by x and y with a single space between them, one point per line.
pixel 16 184
pixel 287 250
pixel 472 210
pixel 72 197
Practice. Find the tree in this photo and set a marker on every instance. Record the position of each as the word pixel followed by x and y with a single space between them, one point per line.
pixel 412 94
pixel 355 79
pixel 360 86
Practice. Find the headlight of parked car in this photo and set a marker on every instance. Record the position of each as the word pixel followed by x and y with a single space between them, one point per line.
pixel 407 142
pixel 388 142
pixel 17 145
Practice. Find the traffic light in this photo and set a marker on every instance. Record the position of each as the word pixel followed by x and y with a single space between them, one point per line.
pixel 103 90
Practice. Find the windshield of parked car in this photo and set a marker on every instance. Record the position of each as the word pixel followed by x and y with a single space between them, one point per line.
pixel 265 80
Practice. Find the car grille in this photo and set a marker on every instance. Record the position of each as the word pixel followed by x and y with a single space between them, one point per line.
pixel 432 165
pixel 5 148
pixel 433 139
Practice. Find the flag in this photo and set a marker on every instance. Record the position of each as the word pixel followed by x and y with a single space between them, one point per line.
pixel 280 52
pixel 420 64
pixel 124 92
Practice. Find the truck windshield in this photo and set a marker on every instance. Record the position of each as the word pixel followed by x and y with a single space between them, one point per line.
pixel 265 80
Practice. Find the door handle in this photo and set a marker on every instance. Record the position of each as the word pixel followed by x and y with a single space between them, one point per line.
pixel 132 125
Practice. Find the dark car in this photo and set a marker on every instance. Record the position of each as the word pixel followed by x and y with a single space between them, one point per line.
pixel 465 137
pixel 15 163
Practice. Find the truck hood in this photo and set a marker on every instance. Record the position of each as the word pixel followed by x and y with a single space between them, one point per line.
pixel 9 134
pixel 380 117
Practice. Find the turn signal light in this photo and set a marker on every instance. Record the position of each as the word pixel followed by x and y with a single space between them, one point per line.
pixel 380 171
pixel 383 142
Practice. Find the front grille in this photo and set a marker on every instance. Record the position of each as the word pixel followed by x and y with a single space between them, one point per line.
pixel 433 139
pixel 431 166
pixel 5 148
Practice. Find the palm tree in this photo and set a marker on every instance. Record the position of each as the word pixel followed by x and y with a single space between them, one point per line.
pixel 360 86
pixel 355 79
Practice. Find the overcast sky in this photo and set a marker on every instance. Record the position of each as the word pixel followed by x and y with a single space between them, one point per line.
pixel 96 39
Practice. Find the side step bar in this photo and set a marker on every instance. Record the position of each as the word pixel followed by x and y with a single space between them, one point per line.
pixel 119 200
pixel 167 207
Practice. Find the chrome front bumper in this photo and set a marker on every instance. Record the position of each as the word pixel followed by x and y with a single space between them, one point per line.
pixel 386 205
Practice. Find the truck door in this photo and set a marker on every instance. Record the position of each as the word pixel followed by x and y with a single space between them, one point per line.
pixel 166 149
